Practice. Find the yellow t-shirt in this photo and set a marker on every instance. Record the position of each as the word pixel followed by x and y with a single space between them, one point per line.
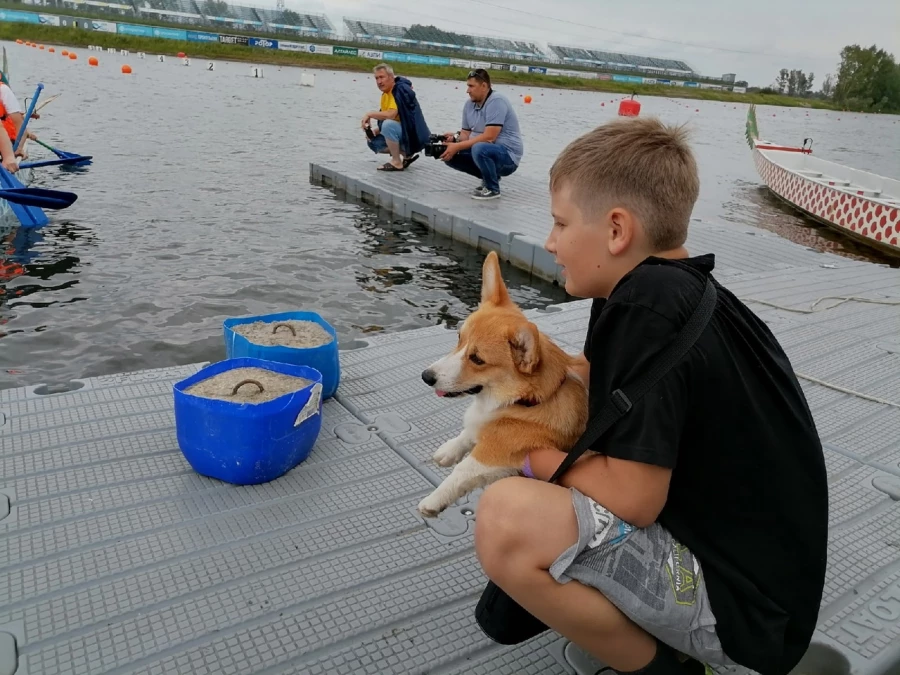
pixel 388 103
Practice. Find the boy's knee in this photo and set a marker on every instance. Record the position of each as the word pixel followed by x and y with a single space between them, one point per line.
pixel 500 528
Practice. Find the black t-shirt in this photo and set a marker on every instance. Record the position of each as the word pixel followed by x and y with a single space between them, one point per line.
pixel 748 493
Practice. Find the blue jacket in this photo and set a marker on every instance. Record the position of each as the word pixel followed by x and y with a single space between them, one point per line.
pixel 414 134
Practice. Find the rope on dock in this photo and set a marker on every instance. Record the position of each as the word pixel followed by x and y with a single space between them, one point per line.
pixel 846 391
pixel 812 309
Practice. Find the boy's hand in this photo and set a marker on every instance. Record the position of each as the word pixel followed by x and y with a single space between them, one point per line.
pixel 11 165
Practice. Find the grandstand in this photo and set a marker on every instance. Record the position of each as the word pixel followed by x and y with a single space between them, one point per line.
pixel 431 37
pixel 212 13
pixel 620 61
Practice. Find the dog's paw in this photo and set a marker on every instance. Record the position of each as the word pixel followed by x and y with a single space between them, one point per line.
pixel 430 507
pixel 450 453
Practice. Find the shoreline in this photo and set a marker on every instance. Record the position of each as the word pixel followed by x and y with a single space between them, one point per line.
pixel 70 37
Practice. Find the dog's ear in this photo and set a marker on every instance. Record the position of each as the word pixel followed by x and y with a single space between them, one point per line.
pixel 493 290
pixel 526 347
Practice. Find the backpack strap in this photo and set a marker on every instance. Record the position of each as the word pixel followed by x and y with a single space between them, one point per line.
pixel 622 400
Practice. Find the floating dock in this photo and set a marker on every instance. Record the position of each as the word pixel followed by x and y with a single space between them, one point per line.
pixel 115 557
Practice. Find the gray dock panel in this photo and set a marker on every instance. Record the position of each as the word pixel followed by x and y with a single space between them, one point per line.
pixel 115 557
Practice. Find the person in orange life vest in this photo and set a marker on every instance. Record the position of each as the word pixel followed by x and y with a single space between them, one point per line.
pixel 11 114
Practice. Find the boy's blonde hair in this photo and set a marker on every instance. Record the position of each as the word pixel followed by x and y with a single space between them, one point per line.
pixel 639 164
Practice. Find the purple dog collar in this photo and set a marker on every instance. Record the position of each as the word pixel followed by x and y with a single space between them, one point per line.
pixel 526 467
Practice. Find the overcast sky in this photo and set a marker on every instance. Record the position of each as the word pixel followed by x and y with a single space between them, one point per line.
pixel 753 39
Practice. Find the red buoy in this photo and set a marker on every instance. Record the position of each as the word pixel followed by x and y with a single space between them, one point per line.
pixel 628 107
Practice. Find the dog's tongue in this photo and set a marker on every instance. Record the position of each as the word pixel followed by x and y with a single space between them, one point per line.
pixel 440 393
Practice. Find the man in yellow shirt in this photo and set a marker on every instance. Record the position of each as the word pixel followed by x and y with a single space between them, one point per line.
pixel 386 137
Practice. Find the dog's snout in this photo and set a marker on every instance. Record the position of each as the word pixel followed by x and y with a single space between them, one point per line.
pixel 429 377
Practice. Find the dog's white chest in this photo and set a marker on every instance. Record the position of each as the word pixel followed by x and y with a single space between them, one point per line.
pixel 480 411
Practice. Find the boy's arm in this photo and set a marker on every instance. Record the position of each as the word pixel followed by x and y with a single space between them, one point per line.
pixel 631 475
pixel 7 155
pixel 581 367
pixel 633 491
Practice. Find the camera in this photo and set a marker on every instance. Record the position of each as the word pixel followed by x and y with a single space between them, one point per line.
pixel 436 145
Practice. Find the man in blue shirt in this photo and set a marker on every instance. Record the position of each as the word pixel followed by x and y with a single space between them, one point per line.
pixel 490 142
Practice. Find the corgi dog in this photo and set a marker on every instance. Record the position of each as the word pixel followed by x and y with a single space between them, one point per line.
pixel 524 395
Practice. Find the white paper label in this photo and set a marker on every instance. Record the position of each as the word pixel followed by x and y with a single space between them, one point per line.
pixel 312 405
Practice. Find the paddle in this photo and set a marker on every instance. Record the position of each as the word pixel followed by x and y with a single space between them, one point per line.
pixel 39 197
pixel 83 160
pixel 37 92
pixel 54 162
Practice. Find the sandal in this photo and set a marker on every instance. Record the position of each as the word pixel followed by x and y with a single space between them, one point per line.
pixel 387 166
pixel 409 160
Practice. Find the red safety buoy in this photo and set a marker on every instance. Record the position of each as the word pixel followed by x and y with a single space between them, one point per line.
pixel 628 107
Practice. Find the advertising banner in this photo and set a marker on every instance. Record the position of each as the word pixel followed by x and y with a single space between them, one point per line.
pixel 691 84
pixel 481 64
pixel 266 43
pixel 48 19
pixel 172 34
pixel 233 40
pixel 416 58
pixel 537 69
pixel 18 17
pixel 195 36
pixel 395 56
pixel 500 66
pixel 648 80
pixel 321 49
pixel 292 46
pixel 462 63
pixel 739 90
pixel 554 71
pixel 369 54
pixel 345 51
pixel 133 29
pixel 604 76
pixel 104 26
pixel 438 61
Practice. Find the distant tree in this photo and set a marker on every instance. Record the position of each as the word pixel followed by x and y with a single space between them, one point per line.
pixel 828 86
pixel 867 79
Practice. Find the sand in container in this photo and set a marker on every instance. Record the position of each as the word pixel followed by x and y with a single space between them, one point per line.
pixel 293 333
pixel 247 385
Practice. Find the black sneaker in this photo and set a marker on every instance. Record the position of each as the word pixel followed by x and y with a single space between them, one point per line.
pixel 484 194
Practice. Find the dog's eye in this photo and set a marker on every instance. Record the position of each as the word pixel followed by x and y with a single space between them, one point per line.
pixel 477 360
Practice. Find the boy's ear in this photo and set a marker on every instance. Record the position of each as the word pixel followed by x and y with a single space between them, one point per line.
pixel 493 290
pixel 623 227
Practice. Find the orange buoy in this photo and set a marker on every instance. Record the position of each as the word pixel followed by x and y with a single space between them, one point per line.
pixel 64 52
pixel 126 69
pixel 73 55
pixel 628 107
pixel 52 50
pixel 34 45
pixel 18 42
pixel 180 55
pixel 40 46
pixel 527 99
pixel 93 61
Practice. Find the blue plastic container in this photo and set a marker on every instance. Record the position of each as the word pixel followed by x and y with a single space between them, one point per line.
pixel 324 358
pixel 248 443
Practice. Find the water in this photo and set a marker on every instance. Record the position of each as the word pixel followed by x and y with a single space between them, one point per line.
pixel 198 207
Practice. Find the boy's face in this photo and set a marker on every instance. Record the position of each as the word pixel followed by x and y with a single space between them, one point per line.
pixel 592 248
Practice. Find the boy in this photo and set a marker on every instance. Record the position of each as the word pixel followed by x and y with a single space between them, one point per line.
pixel 700 530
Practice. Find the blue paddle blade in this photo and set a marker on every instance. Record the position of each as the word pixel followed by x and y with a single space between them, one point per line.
pixel 39 197
pixel 28 216
pixel 74 159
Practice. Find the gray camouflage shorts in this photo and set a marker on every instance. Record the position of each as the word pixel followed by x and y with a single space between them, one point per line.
pixel 654 580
